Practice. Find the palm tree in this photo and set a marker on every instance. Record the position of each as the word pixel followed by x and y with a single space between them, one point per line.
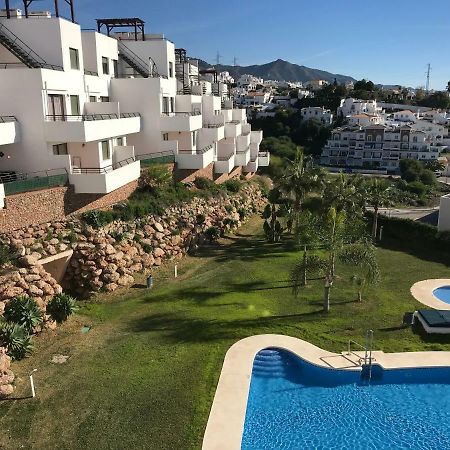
pixel 362 255
pixel 273 210
pixel 345 193
pixel 299 179
pixel 378 194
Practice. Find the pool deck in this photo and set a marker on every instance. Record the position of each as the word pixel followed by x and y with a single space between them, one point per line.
pixel 422 291
pixel 227 416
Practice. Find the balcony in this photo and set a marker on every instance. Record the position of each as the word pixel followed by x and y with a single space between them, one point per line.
pixel 256 137
pixel 95 180
pixel 9 130
pixel 252 166
pixel 242 142
pixel 227 115
pixel 214 130
pixel 263 159
pixel 90 127
pixel 242 157
pixel 233 129
pixel 181 121
pixel 239 114
pixel 224 163
pixel 195 159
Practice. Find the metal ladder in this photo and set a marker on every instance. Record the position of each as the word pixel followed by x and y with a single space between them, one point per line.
pixel 365 362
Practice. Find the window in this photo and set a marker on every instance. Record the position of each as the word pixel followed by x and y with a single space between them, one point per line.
pixel 75 105
pixel 415 139
pixel 165 136
pixel 119 141
pixel 55 104
pixel 115 68
pixel 92 98
pixel 74 59
pixel 106 154
pixel 105 65
pixel 172 104
pixel 170 69
pixel 369 138
pixel 60 149
pixel 165 105
pixel 194 138
pixel 104 99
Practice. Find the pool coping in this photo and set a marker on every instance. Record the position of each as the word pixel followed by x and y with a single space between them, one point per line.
pixel 226 420
pixel 422 291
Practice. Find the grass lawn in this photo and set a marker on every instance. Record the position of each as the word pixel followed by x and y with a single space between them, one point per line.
pixel 145 375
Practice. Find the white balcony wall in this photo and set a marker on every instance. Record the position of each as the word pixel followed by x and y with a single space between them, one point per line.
pixel 252 166
pixel 239 114
pixel 91 130
pixel 210 104
pixel 208 136
pixel 9 132
pixel 169 146
pixel 264 159
pixel 246 128
pixel 180 122
pixel 256 137
pixel 242 142
pixel 2 196
pixel 227 115
pixel 184 139
pixel 195 161
pixel 254 149
pixel 444 214
pixel 242 158
pixel 233 129
pixel 103 183
pixel 224 164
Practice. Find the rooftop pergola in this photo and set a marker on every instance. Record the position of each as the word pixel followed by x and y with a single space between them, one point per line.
pixel 135 23
pixel 27 3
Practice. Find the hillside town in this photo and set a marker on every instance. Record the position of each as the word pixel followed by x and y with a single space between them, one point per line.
pixel 223 256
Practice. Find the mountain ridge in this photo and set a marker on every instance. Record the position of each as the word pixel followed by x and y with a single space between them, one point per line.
pixel 279 70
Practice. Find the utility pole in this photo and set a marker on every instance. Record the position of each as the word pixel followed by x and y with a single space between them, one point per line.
pixel 428 78
pixel 218 57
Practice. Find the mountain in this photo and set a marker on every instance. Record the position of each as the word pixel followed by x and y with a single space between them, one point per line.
pixel 279 70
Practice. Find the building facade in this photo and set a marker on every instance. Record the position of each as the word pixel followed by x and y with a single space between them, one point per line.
pixel 321 114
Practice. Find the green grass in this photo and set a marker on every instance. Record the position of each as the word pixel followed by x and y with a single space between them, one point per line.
pixel 145 375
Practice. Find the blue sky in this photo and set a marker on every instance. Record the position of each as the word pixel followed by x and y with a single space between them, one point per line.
pixel 387 41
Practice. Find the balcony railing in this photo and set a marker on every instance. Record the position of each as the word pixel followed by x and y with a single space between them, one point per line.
pixel 103 170
pixel 181 113
pixel 90 72
pixel 15 183
pixel 4 119
pixel 263 154
pixel 235 122
pixel 213 125
pixel 225 158
pixel 197 152
pixel 88 117
pixel 149 159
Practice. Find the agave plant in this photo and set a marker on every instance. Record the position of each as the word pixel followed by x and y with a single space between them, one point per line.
pixel 24 311
pixel 61 306
pixel 16 340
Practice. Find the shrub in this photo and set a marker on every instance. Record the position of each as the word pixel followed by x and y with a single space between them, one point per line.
pixel 16 339
pixel 118 236
pixel 137 238
pixel 147 248
pixel 242 213
pixel 97 219
pixel 232 185
pixel 228 209
pixel 416 187
pixel 428 177
pixel 155 176
pixel 200 219
pixel 176 232
pixel 212 233
pixel 72 237
pixel 61 306
pixel 204 183
pixel 49 235
pixel 23 311
pixel 5 255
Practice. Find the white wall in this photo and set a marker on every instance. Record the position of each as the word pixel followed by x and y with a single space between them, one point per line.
pixel 444 214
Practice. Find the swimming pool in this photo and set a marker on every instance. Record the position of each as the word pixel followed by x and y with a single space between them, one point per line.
pixel 443 293
pixel 294 404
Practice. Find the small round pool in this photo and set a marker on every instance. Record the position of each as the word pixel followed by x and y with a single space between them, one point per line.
pixel 442 293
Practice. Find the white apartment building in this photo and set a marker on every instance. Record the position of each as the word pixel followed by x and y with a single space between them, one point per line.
pixel 321 114
pixel 249 82
pixel 225 77
pixel 364 119
pixel 253 98
pixel 405 116
pixel 56 81
pixel 94 105
pixel 377 147
pixel 350 106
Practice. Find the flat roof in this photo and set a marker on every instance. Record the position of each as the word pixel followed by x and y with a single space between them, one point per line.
pixel 436 317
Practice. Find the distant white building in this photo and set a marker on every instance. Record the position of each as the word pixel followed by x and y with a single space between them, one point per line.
pixel 350 106
pixel 255 98
pixel 316 85
pixel 249 82
pixel 321 114
pixel 225 77
pixel 405 116
pixel 364 119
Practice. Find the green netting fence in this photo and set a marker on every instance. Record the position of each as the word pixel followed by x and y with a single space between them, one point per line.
pixel 35 183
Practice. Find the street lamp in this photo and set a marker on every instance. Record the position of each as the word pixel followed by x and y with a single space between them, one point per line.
pixel 33 392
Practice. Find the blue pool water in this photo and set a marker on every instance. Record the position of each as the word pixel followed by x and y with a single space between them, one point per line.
pixel 442 293
pixel 295 405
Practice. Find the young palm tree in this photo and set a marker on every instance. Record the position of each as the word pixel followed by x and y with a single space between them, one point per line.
pixel 345 193
pixel 272 212
pixel 362 256
pixel 378 194
pixel 299 179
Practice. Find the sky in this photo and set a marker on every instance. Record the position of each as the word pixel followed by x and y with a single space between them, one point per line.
pixel 386 41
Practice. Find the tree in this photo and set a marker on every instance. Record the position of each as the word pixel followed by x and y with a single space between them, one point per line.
pixel 378 194
pixel 298 180
pixel 362 256
pixel 309 264
pixel 272 212
pixel 345 193
pixel 435 165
